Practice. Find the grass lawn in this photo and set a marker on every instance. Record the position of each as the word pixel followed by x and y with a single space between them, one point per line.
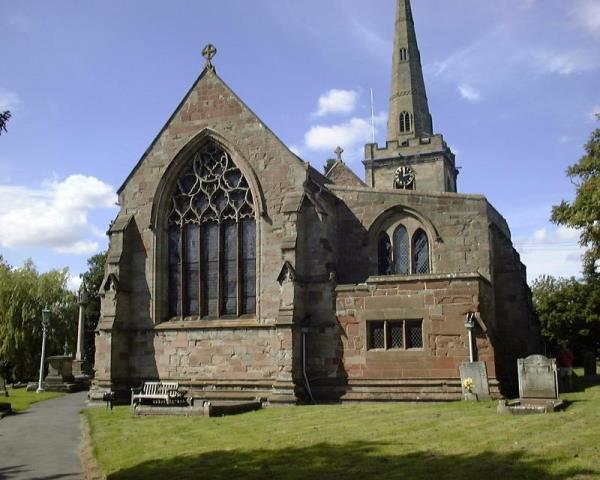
pixel 20 399
pixel 397 441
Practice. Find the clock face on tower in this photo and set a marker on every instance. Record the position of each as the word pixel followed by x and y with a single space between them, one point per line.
pixel 404 179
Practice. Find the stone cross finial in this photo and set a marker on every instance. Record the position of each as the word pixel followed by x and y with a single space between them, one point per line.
pixel 209 53
pixel 338 153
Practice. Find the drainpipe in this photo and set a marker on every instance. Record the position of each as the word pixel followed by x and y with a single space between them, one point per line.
pixel 470 325
pixel 304 333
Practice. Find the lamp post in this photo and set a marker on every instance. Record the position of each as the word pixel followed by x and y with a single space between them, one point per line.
pixel 470 325
pixel 45 325
pixel 82 300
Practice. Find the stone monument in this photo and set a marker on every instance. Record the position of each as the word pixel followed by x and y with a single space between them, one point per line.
pixel 79 366
pixel 538 387
pixel 60 374
pixel 476 371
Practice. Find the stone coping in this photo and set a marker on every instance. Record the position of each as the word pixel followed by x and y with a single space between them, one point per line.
pixel 399 279
pixel 417 193
pixel 212 324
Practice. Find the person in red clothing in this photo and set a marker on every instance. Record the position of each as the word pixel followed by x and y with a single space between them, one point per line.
pixel 564 362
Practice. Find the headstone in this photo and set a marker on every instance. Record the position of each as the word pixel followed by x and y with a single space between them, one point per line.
pixel 589 364
pixel 3 390
pixel 538 378
pixel 478 373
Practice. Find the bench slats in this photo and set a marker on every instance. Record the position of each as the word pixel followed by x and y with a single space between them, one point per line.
pixel 156 391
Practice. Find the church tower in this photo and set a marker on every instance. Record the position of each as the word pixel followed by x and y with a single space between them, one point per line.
pixel 414 158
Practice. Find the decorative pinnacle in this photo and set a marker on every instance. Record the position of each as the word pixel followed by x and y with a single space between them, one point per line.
pixel 209 53
pixel 338 153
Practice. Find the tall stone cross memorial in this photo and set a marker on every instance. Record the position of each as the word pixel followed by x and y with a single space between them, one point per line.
pixel 82 300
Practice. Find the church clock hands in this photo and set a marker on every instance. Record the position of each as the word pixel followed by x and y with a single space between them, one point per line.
pixel 404 179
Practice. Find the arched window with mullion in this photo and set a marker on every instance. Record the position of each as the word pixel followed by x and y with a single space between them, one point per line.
pixel 212 240
pixel 401 251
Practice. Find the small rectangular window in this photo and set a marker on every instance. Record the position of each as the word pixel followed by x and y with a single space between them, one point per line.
pixel 376 335
pixel 414 334
pixel 395 335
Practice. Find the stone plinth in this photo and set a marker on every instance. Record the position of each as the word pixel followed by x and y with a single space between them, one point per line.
pixel 60 375
pixel 60 369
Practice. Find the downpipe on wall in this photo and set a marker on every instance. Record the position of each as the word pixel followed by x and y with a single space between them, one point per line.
pixel 305 324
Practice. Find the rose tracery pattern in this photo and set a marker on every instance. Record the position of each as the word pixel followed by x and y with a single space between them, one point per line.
pixel 212 189
pixel 212 240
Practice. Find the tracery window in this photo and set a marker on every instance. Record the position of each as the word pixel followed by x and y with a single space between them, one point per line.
pixel 212 240
pixel 407 253
pixel 405 122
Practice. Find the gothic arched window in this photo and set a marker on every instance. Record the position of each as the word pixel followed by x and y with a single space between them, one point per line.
pixel 403 55
pixel 401 251
pixel 212 240
pixel 405 122
pixel 420 249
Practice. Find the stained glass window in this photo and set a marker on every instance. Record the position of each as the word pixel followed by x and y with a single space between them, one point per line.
pixel 212 240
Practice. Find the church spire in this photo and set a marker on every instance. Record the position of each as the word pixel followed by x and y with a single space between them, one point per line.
pixel 409 115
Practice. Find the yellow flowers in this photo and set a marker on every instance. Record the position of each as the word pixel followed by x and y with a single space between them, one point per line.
pixel 468 384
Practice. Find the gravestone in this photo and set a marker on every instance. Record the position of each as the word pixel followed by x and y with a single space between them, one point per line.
pixel 538 378
pixel 478 373
pixel 589 364
pixel 3 390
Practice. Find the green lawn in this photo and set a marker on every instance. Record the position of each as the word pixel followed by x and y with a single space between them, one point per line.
pixel 396 441
pixel 20 399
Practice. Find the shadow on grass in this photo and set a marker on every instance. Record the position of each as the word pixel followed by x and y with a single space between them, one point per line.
pixel 359 460
pixel 582 383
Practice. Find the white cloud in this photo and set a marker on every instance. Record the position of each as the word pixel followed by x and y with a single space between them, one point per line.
pixel 348 135
pixel 55 215
pixel 565 63
pixel 554 251
pixel 9 100
pixel 74 282
pixel 337 101
pixel 469 93
pixel 587 15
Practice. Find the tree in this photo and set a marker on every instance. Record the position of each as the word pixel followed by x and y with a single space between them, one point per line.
pixel 91 281
pixel 569 312
pixel 23 294
pixel 584 212
pixel 4 118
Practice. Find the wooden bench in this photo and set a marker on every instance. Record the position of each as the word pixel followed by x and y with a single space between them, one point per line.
pixel 165 393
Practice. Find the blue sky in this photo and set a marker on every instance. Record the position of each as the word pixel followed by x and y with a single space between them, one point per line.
pixel 512 86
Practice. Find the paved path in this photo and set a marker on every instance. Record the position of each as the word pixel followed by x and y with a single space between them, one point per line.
pixel 42 443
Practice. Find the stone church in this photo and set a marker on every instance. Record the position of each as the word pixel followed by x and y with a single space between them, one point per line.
pixel 240 271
